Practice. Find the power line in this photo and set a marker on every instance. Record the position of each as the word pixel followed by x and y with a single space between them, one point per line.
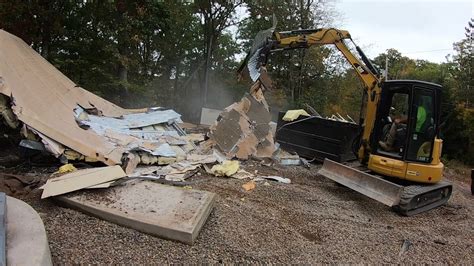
pixel 429 51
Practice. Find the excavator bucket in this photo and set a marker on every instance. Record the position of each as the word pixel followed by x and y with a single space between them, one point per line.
pixel 406 200
pixel 253 61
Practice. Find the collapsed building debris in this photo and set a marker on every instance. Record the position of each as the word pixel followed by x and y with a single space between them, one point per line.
pixel 56 116
pixel 74 124
pixel 17 184
pixel 277 178
pixel 242 130
pixel 209 116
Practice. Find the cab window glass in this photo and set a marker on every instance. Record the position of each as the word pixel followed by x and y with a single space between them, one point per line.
pixel 393 137
pixel 423 126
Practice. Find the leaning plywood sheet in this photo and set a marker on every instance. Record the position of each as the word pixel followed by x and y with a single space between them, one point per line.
pixel 243 130
pixel 44 99
pixel 164 211
pixel 81 179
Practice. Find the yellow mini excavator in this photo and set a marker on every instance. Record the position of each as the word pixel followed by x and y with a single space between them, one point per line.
pixel 407 175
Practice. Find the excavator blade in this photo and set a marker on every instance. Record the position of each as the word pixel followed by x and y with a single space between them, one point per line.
pixel 371 186
pixel 406 200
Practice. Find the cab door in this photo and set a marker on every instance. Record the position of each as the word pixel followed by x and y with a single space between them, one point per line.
pixel 395 103
pixel 422 127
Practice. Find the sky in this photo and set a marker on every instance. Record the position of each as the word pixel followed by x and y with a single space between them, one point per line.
pixel 419 29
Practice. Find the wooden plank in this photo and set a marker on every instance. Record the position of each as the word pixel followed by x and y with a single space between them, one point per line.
pixel 81 179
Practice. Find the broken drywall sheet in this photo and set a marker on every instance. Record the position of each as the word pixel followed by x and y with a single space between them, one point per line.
pixel 81 179
pixel 277 178
pixel 157 134
pixel 176 171
pixel 69 118
pixel 227 132
pixel 50 109
pixel 242 129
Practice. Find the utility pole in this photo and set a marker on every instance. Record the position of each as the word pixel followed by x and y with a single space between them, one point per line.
pixel 386 67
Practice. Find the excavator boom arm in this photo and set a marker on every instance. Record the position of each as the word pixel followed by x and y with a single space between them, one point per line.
pixel 301 39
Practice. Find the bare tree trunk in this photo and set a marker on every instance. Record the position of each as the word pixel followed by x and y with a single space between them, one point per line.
pixel 123 73
pixel 207 70
pixel 176 89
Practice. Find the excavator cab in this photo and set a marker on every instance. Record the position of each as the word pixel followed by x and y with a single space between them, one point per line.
pixel 407 121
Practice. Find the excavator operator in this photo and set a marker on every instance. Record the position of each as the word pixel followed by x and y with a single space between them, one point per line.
pixel 395 136
pixel 394 133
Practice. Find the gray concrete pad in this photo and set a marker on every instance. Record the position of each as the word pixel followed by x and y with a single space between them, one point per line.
pixel 164 211
pixel 27 243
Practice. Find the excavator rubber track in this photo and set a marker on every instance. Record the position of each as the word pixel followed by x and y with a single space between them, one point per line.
pixel 416 199
pixel 406 200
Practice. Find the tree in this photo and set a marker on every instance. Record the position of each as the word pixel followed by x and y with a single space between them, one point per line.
pixel 300 74
pixel 216 16
pixel 399 66
pixel 463 60
pixel 463 94
pixel 38 23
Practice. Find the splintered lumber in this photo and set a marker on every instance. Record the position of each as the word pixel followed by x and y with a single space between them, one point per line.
pixel 81 179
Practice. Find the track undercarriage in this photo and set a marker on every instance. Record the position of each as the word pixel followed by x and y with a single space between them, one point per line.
pixel 407 200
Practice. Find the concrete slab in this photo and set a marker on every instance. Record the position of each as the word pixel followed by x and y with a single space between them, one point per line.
pixel 27 243
pixel 164 211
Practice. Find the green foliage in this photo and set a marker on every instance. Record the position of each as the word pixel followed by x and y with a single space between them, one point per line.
pixel 300 74
pixel 184 55
pixel 462 71
pixel 462 96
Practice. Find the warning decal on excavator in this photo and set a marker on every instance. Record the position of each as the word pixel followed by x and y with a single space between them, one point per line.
pixel 415 173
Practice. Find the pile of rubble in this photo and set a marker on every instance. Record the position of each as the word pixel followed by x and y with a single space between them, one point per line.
pixel 57 117
pixel 243 129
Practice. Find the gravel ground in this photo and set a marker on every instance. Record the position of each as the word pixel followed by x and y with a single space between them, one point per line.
pixel 312 220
